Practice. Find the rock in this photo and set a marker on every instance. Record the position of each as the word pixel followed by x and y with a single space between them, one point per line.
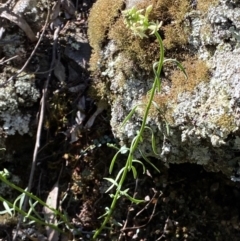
pixel 15 98
pixel 202 112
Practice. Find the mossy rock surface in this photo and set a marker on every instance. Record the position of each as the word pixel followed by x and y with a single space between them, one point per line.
pixel 201 111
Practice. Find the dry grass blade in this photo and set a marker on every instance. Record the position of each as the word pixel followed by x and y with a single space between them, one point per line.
pixel 49 216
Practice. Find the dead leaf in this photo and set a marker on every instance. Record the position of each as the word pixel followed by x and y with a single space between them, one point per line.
pixel 55 10
pixel 68 7
pixel 49 216
pixel 20 22
pixel 101 106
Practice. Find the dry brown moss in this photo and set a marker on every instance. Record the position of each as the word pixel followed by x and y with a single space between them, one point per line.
pixel 160 109
pixel 141 51
pixel 203 5
pixel 101 17
pixel 145 51
pixel 173 13
pixel 197 72
pixel 226 122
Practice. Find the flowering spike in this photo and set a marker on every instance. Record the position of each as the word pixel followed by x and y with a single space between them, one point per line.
pixel 139 23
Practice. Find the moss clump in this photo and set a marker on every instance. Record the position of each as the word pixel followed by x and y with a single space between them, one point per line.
pixel 142 51
pixel 197 71
pixel 173 13
pixel 145 51
pixel 226 122
pixel 106 22
pixel 203 5
pixel 101 17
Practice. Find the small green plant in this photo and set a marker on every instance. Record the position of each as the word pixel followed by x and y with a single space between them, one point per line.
pixel 142 27
pixel 12 209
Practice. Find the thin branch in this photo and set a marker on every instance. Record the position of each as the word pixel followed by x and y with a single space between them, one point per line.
pixel 2 61
pixel 152 214
pixel 42 111
pixel 128 214
pixel 41 115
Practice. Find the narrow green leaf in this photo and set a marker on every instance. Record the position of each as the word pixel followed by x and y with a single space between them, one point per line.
pixel 114 146
pixel 19 198
pixel 113 162
pixel 3 212
pixel 134 172
pixel 128 117
pixel 157 78
pixel 144 168
pixel 178 64
pixel 124 149
pixel 156 106
pixel 7 208
pixel 105 214
pixel 124 192
pixel 116 179
pixel 134 200
pixel 32 205
pixel 130 158
pixel 154 148
pixel 111 180
pixel 148 161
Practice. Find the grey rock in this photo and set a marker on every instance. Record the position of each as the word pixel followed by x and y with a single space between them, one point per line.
pixel 205 128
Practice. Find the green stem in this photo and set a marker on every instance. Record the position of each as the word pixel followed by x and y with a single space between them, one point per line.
pixel 30 216
pixel 137 140
pixel 56 212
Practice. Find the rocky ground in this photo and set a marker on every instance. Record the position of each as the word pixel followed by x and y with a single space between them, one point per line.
pixel 183 202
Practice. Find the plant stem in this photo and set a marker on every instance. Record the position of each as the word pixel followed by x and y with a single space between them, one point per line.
pixel 137 140
pixel 37 220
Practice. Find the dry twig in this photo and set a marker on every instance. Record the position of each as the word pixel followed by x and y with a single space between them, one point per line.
pixel 42 111
pixel 146 206
pixel 2 61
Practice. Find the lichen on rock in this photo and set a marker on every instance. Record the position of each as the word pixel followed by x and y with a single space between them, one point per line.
pixel 202 112
pixel 15 98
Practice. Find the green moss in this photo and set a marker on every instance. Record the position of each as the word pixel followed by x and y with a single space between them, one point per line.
pixel 145 51
pixel 101 17
pixel 100 89
pixel 197 71
pixel 106 22
pixel 142 51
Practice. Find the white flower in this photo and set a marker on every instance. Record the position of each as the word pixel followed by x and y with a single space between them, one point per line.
pixel 139 23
